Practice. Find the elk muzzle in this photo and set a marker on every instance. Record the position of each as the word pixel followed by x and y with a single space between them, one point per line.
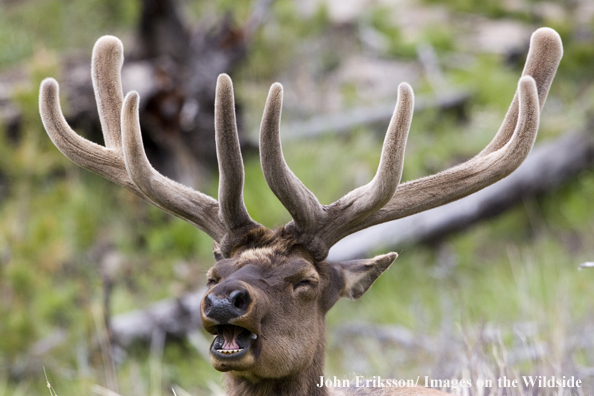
pixel 230 312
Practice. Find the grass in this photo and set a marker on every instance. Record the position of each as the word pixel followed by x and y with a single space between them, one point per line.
pixel 477 307
pixel 32 24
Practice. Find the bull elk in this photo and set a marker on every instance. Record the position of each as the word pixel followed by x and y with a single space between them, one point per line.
pixel 270 289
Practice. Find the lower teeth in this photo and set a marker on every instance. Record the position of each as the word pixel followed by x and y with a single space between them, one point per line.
pixel 229 351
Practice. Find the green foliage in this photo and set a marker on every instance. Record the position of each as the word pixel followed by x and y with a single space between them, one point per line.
pixel 580 56
pixel 490 8
pixel 164 236
pixel 209 11
pixel 283 38
pixel 440 37
pixel 493 83
pixel 29 25
pixel 379 19
pixel 382 21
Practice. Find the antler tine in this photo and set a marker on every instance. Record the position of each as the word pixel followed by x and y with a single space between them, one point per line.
pixel 466 178
pixel 369 198
pixel 544 55
pixel 316 223
pixel 106 161
pixel 305 209
pixel 362 202
pixel 231 172
pixel 106 66
pixel 177 199
pixel 89 155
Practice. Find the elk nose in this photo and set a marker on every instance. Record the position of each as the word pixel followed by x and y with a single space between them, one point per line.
pixel 223 309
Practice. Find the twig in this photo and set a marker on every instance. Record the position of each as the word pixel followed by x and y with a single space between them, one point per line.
pixel 49 386
pixel 157 346
pixel 106 350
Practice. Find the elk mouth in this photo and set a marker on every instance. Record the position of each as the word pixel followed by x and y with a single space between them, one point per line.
pixel 232 341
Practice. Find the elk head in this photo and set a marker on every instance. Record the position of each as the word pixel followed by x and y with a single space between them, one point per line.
pixel 269 290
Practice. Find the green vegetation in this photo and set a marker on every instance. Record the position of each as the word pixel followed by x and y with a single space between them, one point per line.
pixel 56 219
pixel 55 24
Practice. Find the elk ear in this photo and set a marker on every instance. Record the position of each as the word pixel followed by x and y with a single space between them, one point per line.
pixel 359 275
pixel 216 250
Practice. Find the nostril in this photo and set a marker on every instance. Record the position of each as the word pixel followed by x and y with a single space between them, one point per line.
pixel 209 301
pixel 240 299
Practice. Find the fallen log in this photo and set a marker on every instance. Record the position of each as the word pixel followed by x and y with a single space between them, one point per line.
pixel 175 317
pixel 546 168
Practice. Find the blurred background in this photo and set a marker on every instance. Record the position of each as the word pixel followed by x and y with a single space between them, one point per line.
pixel 100 290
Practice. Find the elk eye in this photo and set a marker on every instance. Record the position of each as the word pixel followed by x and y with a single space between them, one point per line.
pixel 211 282
pixel 305 283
